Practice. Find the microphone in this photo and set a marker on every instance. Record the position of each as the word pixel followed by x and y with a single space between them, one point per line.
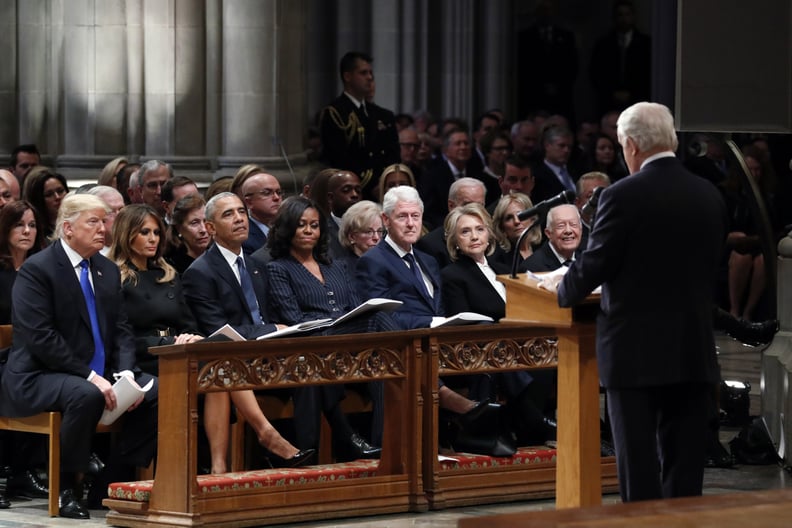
pixel 542 207
pixel 590 207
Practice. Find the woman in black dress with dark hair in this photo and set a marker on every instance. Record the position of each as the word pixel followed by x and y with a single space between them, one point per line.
pixel 45 189
pixel 20 237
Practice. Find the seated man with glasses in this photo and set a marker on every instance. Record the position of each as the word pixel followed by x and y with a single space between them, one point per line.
pixel 262 196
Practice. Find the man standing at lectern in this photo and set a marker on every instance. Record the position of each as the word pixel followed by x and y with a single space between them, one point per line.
pixel 655 347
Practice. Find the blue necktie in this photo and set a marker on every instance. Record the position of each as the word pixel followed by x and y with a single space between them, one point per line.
pixel 98 360
pixel 247 289
pixel 566 179
pixel 416 272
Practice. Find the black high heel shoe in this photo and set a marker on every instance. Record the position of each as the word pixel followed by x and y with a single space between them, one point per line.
pixel 302 457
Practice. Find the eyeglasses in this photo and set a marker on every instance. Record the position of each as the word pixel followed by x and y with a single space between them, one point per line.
pixel 371 232
pixel 266 193
pixel 410 145
pixel 55 192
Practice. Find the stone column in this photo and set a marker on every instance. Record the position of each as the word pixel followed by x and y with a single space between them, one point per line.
pixel 457 64
pixel 496 76
pixel 263 82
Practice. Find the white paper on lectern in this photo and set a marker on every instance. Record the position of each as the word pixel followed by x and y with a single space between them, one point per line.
pixel 462 318
pixel 228 331
pixel 549 281
pixel 126 395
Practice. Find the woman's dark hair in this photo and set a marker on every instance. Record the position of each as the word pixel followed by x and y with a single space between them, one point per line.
pixel 9 216
pixel 284 227
pixel 183 207
pixel 33 190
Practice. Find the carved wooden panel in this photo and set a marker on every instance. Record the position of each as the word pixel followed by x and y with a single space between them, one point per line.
pixel 299 368
pixel 463 356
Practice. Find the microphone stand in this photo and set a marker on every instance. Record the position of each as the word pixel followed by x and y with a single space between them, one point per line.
pixel 520 240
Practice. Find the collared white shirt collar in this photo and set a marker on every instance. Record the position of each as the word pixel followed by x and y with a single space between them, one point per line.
pixel 399 251
pixel 355 101
pixel 231 258
pixel 653 157
pixel 558 255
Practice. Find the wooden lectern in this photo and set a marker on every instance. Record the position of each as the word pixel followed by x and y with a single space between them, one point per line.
pixel 578 472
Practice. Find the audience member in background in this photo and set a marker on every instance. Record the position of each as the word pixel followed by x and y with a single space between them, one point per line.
pixel 223 286
pixel 21 452
pixel 525 138
pixel 470 285
pixel 306 285
pixel 334 192
pixel 6 194
pixel 508 228
pixel 147 187
pixel 496 146
pixel 23 159
pixel 153 294
pixel 220 185
pixel 357 135
pixel 517 178
pixel 361 229
pixel 115 202
pixel 12 183
pixel 109 174
pixel 585 188
pixel 393 176
pixel 123 177
pixel 187 235
pixel 554 174
pixel 484 124
pixel 174 190
pixel 262 195
pixel 603 157
pixel 45 189
pixel 70 335
pixel 462 192
pixel 409 145
pixel 747 278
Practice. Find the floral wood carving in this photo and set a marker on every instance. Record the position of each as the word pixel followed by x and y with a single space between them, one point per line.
pixel 498 354
pixel 300 368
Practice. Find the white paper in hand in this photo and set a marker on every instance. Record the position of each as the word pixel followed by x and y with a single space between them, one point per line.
pixel 126 395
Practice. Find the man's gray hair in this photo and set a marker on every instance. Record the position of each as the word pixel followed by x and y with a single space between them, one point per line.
pixel 73 205
pixel 402 193
pixel 551 215
pixel 211 205
pixel 104 191
pixel 149 166
pixel 467 181
pixel 649 125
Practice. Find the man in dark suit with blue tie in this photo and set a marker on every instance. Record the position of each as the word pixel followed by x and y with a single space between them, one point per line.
pixel 212 284
pixel 655 346
pixel 71 336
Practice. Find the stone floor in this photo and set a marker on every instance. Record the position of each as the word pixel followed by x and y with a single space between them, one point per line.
pixel 737 362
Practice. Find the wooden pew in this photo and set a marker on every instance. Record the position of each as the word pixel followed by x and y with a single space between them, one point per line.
pixel 178 497
pixel 482 349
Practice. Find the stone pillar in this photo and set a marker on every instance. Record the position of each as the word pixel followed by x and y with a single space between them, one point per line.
pixel 263 82
pixel 777 359
pixel 497 76
pixel 457 63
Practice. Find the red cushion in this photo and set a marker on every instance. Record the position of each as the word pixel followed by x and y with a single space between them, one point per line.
pixel 524 456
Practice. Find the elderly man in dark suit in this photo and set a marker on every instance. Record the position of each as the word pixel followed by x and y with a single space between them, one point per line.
pixel 564 230
pixel 357 135
pixel 655 347
pixel 394 269
pixel 71 336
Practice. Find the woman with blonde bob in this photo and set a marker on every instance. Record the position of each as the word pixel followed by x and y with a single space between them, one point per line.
pixel 508 228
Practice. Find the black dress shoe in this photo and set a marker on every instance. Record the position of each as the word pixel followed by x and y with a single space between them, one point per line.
pixel 70 507
pixel 356 447
pixel 465 420
pixel 302 457
pixel 754 333
pixel 95 465
pixel 27 486
pixel 4 503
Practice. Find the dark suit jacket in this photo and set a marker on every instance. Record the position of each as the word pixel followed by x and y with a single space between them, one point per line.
pixel 297 296
pixel 215 296
pixel 256 239
pixel 433 243
pixel 153 306
pixel 436 183
pixel 52 329
pixel 381 273
pixel 605 70
pixel 543 259
pixel 655 325
pixel 466 289
pixel 547 183
pixel 354 142
pixel 7 278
